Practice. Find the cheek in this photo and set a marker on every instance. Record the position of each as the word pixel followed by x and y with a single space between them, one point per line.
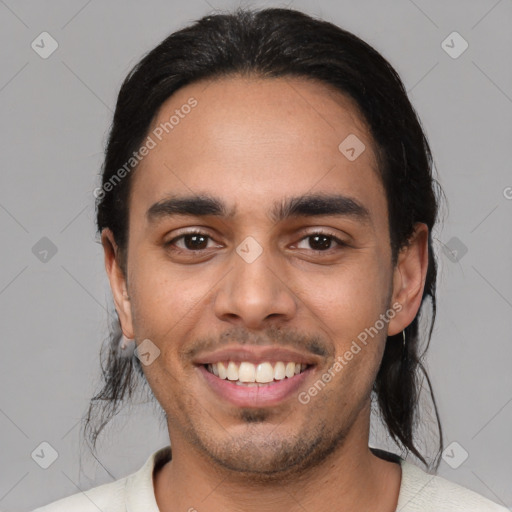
pixel 348 301
pixel 162 298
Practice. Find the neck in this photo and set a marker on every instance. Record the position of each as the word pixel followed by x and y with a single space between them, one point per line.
pixel 352 477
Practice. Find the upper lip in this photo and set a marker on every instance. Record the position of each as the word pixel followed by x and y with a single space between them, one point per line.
pixel 256 355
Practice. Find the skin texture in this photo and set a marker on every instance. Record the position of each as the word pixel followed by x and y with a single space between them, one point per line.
pixel 253 142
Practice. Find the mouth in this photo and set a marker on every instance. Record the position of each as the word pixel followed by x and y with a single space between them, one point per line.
pixel 245 384
pixel 245 373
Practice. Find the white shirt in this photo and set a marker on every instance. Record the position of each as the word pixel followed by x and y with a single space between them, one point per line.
pixel 419 492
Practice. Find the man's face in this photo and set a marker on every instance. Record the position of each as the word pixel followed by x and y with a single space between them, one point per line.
pixel 290 293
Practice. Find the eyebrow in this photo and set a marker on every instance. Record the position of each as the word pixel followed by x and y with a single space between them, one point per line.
pixel 309 205
pixel 315 205
pixel 198 206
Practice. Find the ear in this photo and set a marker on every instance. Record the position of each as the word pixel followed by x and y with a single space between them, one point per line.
pixel 409 279
pixel 117 282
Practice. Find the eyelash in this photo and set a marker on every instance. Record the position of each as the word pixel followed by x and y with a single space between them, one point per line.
pixel 199 233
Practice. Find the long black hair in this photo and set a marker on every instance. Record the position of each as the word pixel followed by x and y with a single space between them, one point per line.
pixel 278 43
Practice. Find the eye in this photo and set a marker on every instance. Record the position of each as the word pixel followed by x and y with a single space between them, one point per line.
pixel 194 241
pixel 320 241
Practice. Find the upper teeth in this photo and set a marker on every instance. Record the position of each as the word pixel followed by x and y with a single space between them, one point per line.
pixel 249 372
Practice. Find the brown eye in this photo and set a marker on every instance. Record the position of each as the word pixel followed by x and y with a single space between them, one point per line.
pixel 190 242
pixel 320 242
pixel 195 242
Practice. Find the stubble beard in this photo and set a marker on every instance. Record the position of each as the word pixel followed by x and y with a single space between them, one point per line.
pixel 271 458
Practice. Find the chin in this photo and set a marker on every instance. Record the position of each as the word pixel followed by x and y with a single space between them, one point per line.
pixel 266 452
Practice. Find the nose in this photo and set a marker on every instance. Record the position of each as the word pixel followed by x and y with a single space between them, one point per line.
pixel 253 294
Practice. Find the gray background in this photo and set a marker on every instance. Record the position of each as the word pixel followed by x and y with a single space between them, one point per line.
pixel 55 113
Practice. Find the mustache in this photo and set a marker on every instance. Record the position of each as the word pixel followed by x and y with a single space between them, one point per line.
pixel 271 336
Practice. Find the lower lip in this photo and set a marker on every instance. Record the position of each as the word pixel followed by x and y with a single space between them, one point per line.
pixel 255 396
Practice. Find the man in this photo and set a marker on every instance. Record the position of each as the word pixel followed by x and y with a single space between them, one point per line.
pixel 266 213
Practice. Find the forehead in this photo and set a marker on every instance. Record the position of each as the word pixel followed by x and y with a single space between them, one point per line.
pixel 252 141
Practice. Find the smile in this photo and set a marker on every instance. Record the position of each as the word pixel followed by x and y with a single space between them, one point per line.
pixel 245 373
pixel 263 388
